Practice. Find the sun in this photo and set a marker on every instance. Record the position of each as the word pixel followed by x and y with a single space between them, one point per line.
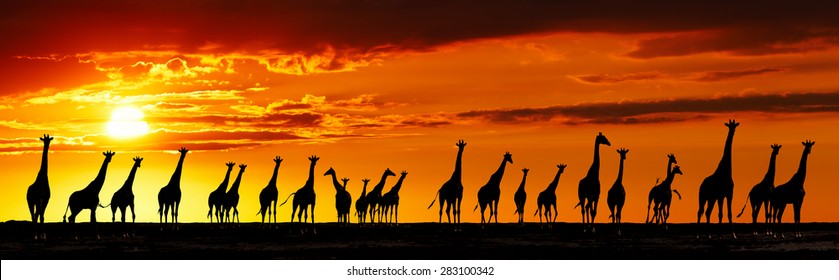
pixel 127 122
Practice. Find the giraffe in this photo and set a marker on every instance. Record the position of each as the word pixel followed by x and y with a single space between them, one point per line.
pixel 38 194
pixel 304 196
pixel 760 193
pixel 169 196
pixel 361 203
pixel 451 193
pixel 375 195
pixel 617 194
pixel 588 190
pixel 342 197
pixel 124 197
pixel 489 194
pixel 231 198
pixel 719 186
pixel 547 199
pixel 390 200
pixel 269 194
pixel 791 192
pixel 345 202
pixel 88 198
pixel 521 196
pixel 216 199
pixel 662 195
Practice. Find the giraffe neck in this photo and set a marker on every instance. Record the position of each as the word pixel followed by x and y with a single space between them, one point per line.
pixel 381 185
pixel 725 163
pixel 770 173
pixel 457 170
pixel 129 183
pixel 669 180
pixel 523 180
pixel 223 186
pixel 555 182
pixel 669 166
pixel 594 170
pixel 496 177
pixel 364 190
pixel 42 173
pixel 310 183
pixel 398 185
pixel 176 176
pixel 620 172
pixel 273 181
pixel 335 182
pixel 801 174
pixel 100 178
pixel 235 187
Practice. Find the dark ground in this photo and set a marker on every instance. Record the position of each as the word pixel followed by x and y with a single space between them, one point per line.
pixel 424 241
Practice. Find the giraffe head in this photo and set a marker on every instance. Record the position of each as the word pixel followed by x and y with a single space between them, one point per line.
pixel 460 144
pixel 671 159
pixel 345 180
pixel 331 171
pixel 404 173
pixel 137 161
pixel 389 173
pixel 108 155
pixel 314 159
pixel 561 167
pixel 183 151
pixel 775 149
pixel 525 170
pixel 242 168
pixel 677 170
pixel 731 124
pixel 623 152
pixel 230 165
pixel 808 145
pixel 278 159
pixel 46 139
pixel 601 139
pixel 365 181
pixel 508 157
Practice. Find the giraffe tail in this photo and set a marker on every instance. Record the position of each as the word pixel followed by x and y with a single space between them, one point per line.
pixel 286 199
pixel 678 194
pixel 65 213
pixel 476 207
pixel 435 199
pixel 744 208
pixel 578 204
pixel 105 206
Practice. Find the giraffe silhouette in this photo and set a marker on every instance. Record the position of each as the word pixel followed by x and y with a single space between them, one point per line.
pixel 124 197
pixel 169 195
pixel 588 190
pixel 88 198
pixel 489 194
pixel 343 199
pixel 38 194
pixel 451 193
pixel 521 196
pixel 390 200
pixel 231 198
pixel 791 192
pixel 547 199
pixel 305 196
pixel 216 199
pixel 269 194
pixel 661 195
pixel 361 203
pixel 760 193
pixel 617 194
pixel 375 195
pixel 719 186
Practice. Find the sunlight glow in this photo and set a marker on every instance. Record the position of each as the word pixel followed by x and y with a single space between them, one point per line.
pixel 127 122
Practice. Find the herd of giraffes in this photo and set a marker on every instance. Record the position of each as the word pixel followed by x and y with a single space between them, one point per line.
pixel 384 207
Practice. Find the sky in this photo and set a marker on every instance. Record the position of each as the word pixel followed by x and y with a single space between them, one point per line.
pixel 371 85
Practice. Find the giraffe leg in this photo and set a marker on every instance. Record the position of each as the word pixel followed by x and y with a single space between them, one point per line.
pixel 93 221
pixel 797 218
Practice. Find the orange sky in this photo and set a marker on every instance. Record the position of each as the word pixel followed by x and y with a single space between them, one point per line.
pixel 394 84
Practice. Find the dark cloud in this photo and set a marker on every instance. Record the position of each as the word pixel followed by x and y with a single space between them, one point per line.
pixel 709 76
pixel 714 76
pixel 611 79
pixel 669 110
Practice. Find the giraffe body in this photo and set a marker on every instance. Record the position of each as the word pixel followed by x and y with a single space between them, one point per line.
pixel 169 196
pixel 269 194
pixel 588 190
pixel 760 194
pixel 390 201
pixel 216 199
pixel 231 198
pixel 88 198
pixel 617 193
pixel 520 197
pixel 451 193
pixel 124 197
pixel 489 194
pixel 547 199
pixel 791 192
pixel 38 194
pixel 719 186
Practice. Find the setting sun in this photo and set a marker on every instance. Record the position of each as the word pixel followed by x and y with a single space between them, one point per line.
pixel 127 122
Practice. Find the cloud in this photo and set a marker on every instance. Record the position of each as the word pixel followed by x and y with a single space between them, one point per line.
pixel 667 110
pixel 715 76
pixel 708 76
